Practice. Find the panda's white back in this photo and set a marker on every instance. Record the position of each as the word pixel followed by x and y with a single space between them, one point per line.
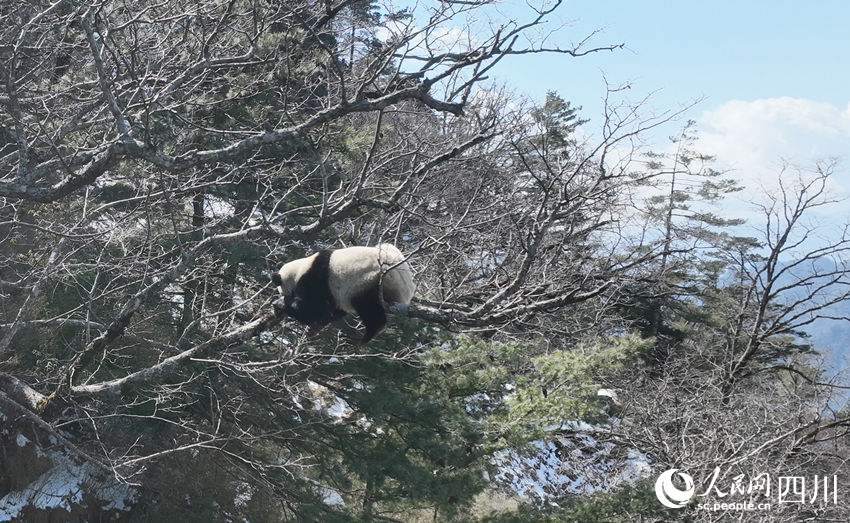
pixel 354 269
pixel 398 282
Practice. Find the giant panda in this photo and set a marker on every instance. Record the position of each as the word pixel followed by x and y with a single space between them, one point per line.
pixel 325 286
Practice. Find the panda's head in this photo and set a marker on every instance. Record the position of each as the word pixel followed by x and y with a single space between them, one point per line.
pixel 286 279
pixel 294 307
pixel 288 276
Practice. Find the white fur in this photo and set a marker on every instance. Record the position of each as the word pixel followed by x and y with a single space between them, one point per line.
pixel 292 271
pixel 354 269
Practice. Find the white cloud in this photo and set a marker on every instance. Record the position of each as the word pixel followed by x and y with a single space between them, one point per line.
pixel 754 139
pixel 428 40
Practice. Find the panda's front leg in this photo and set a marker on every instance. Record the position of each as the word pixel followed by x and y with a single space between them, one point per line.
pixel 280 306
pixel 301 309
pixel 330 315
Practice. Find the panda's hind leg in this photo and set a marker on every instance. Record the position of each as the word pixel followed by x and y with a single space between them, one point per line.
pixel 371 313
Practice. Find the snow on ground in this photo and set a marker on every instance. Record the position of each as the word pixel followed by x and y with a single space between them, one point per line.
pixel 574 465
pixel 64 485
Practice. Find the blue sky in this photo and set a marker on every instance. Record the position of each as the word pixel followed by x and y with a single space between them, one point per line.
pixel 772 77
pixel 680 51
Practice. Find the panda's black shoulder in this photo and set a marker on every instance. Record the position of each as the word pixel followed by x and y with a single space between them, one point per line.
pixel 315 278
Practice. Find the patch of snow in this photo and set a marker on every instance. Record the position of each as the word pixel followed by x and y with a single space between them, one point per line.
pixel 63 485
pixel 331 404
pixel 330 497
pixel 333 499
pixel 244 493
pixel 576 464
pixel 340 409
pixel 21 440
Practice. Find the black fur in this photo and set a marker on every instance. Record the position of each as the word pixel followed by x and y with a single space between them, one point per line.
pixel 311 302
pixel 368 307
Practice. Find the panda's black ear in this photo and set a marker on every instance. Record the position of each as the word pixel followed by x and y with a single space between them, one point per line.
pixel 276 279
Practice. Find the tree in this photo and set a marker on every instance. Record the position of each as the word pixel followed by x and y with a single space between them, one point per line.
pixel 679 213
pixel 741 392
pixel 156 160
